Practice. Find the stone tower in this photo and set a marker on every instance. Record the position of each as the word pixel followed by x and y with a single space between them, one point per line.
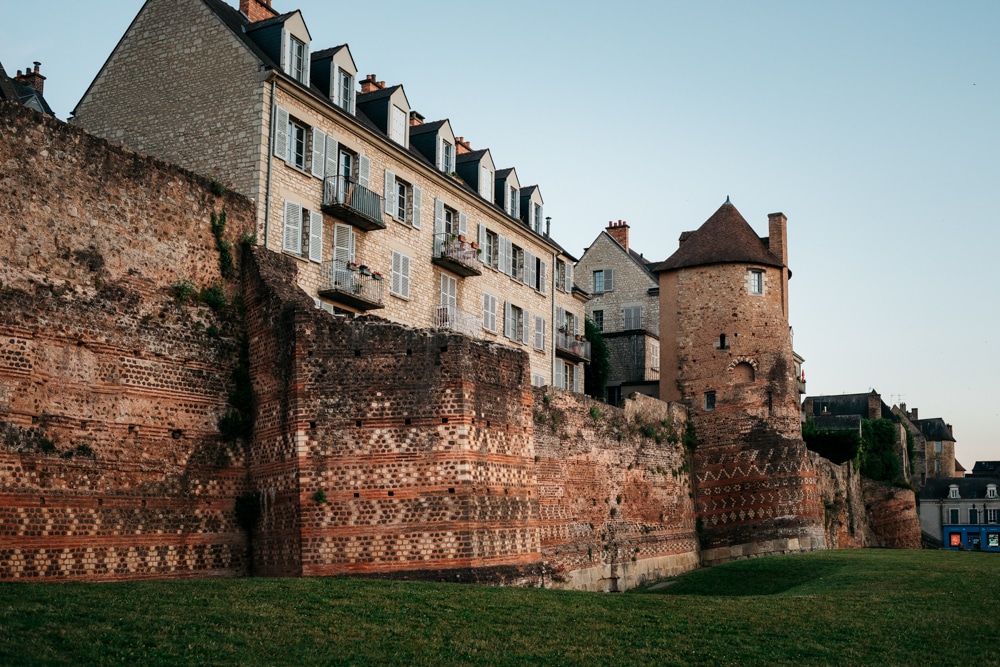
pixel 726 352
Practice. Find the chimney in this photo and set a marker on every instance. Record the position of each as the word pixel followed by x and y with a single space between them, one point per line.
pixel 902 408
pixel 807 405
pixel 370 85
pixel 874 404
pixel 548 224
pixel 948 426
pixel 257 10
pixel 462 146
pixel 777 240
pixel 416 118
pixel 913 414
pixel 32 78
pixel 619 232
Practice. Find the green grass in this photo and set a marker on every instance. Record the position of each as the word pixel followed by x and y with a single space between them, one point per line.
pixel 842 607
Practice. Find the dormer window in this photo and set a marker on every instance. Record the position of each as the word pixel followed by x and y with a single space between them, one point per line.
pixel 485 183
pixel 397 126
pixel 298 56
pixel 953 491
pixel 991 491
pixel 537 216
pixel 447 157
pixel 515 203
pixel 344 94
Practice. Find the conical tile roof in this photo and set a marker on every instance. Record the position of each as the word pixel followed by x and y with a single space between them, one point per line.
pixel 725 238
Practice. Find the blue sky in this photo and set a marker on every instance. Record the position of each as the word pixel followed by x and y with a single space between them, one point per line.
pixel 870 125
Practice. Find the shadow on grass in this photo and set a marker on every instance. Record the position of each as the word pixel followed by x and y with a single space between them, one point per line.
pixel 758 576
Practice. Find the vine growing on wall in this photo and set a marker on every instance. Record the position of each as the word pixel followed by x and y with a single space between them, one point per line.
pixel 225 248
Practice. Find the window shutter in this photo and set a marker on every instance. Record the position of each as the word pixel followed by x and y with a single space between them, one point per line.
pixel 541 278
pixel 280 133
pixel 560 380
pixel 389 193
pixel 364 171
pixel 560 318
pixel 508 248
pixel 506 198
pixel 529 269
pixel 315 236
pixel 293 227
pixel 526 327
pixel 417 200
pixel 576 379
pixel 515 195
pixel 483 255
pixel 569 277
pixel 318 161
pixel 397 273
pixel 335 85
pixel 332 148
pixel 440 153
pixel 502 254
pixel 438 218
pixel 462 221
pixel 350 102
pixel 507 328
pixel 540 223
pixel 404 270
pixel 486 311
pixel 286 59
pixel 343 242
pixel 306 73
pixel 609 280
pixel 539 332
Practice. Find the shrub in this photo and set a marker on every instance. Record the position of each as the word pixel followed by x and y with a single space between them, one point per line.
pixel 213 297
pixel 183 289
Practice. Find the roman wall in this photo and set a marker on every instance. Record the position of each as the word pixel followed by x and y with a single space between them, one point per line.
pixel 111 464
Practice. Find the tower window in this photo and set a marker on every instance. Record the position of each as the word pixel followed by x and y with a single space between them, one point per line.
pixel 709 401
pixel 755 281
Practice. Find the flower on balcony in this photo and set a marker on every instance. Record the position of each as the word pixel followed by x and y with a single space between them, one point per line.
pixel 351 266
pixel 377 276
pixel 365 271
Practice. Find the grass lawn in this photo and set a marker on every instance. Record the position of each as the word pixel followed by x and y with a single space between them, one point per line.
pixel 870 607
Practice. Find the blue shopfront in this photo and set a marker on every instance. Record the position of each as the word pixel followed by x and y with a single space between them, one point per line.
pixel 972 537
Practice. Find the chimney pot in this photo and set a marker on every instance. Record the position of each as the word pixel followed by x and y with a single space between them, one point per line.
pixel 619 232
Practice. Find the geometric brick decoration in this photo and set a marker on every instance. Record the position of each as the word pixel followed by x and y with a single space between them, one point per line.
pixel 726 349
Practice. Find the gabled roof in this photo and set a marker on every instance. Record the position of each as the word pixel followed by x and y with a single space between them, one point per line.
pixel 969 488
pixel 472 156
pixel 375 95
pixel 848 404
pixel 934 429
pixel 332 51
pixel 15 91
pixel 7 91
pixel 433 126
pixel 503 173
pixel 724 238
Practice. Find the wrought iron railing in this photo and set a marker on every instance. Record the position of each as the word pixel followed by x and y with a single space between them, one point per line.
pixel 450 317
pixel 451 246
pixel 572 344
pixel 344 191
pixel 354 279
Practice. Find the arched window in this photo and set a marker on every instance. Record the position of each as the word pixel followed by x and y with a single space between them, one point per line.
pixel 743 372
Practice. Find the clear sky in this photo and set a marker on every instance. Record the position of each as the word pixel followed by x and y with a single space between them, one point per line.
pixel 871 125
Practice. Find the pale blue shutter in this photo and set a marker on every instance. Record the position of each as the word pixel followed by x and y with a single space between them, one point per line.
pixel 539 332
pixel 417 205
pixel 576 378
pixel 438 218
pixel 317 164
pixel 364 171
pixel 335 86
pixel 507 312
pixel 292 240
pixel 510 257
pixel 483 255
pixel 560 374
pixel 440 153
pixel 286 57
pixel 569 277
pixel 332 148
pixel 502 254
pixel 315 236
pixel 609 280
pixel 389 193
pixel 542 278
pixel 525 327
pixel 560 319
pixel 280 133
pixel 529 269
pixel 462 221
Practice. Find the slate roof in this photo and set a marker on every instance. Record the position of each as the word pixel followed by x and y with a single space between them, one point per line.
pixel 848 404
pixel 423 128
pixel 969 488
pixel 323 53
pixel 471 156
pixel 7 90
pixel 365 98
pixel 838 422
pixel 991 468
pixel 503 173
pixel 15 91
pixel 724 238
pixel 934 429
pixel 266 23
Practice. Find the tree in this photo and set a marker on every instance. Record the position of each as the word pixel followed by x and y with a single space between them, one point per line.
pixel 595 375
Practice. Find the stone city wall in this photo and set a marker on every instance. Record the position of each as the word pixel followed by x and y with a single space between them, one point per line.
pixel 111 464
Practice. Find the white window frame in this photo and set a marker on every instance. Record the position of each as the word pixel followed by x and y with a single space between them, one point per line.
pixel 447 157
pixel 654 354
pixel 991 491
pixel 485 183
pixel 755 282
pixel 298 59
pixel 344 95
pixel 296 130
pixel 953 491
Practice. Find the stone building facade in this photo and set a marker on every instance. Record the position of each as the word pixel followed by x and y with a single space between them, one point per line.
pixel 933 446
pixel 625 306
pixel 726 353
pixel 384 213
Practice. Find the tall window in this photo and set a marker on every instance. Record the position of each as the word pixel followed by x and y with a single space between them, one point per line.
pixel 937 447
pixel 632 318
pixel 598 316
pixel 485 183
pixel 397 126
pixel 491 249
pixel 603 281
pixel 345 90
pixel 404 202
pixel 400 285
pixel 654 357
pixel 517 263
pixel 709 401
pixel 297 59
pixel 447 157
pixel 538 218
pixel 992 515
pixel 296 144
pixel 953 515
pixel 515 202
pixel 973 515
pixel 755 280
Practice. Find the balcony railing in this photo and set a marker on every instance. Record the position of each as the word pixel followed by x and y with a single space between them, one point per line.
pixel 450 317
pixel 455 254
pixel 631 322
pixel 634 374
pixel 568 347
pixel 353 203
pixel 352 285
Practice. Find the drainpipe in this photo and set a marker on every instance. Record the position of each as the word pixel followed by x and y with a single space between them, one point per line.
pixel 270 157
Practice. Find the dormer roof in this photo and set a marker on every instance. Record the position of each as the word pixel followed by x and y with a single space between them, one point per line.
pixel 473 156
pixel 934 429
pixel 725 238
pixel 433 126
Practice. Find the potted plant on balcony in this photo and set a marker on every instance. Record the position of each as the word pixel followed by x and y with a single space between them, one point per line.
pixel 377 276
pixel 351 266
pixel 365 271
